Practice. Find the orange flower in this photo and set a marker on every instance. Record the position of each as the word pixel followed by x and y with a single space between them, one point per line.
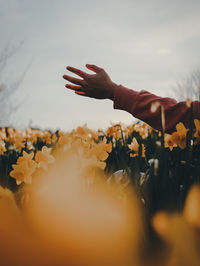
pixel 46 137
pixel 44 157
pixel 100 150
pixel 128 130
pixel 30 146
pixel 169 143
pixel 93 162
pixel 2 147
pixel 64 138
pixel 134 146
pixel 3 133
pixel 179 136
pixel 96 134
pixel 19 143
pixel 54 138
pixel 21 173
pixel 11 133
pixel 114 131
pixel 82 132
pixel 23 170
pixel 191 209
pixel 142 129
pixel 197 132
pixel 32 135
pixel 26 157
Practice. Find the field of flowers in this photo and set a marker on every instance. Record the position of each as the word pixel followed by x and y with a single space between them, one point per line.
pixel 149 178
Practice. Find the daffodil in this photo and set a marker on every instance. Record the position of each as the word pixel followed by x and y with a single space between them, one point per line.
pixel 44 157
pixel 23 170
pixel 19 143
pixel 82 131
pixel 114 131
pixel 100 150
pixel 142 129
pixel 134 147
pixel 180 135
pixel 27 157
pixel 2 147
pixel 64 138
pixel 197 132
pixel 3 134
pixel 54 138
pixel 169 143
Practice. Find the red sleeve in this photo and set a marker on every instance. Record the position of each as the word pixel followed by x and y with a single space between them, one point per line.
pixel 139 105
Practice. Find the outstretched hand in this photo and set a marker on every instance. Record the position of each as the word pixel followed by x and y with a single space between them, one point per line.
pixel 98 85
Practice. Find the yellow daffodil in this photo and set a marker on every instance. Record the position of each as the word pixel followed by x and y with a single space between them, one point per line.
pixel 54 138
pixel 197 132
pixel 64 138
pixel 82 131
pixel 128 130
pixel 169 143
pixel 43 157
pixel 21 173
pixel 142 129
pixel 191 208
pixel 2 147
pixel 96 134
pixel 46 137
pixel 100 150
pixel 19 143
pixel 23 170
pixel 134 147
pixel 180 135
pixel 3 134
pixel 114 131
pixel 28 157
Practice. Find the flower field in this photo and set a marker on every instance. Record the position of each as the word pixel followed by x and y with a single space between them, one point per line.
pixel 128 195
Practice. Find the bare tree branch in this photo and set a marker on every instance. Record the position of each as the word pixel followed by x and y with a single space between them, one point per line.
pixel 7 105
pixel 189 88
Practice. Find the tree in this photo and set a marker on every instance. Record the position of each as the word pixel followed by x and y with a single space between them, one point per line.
pixel 189 88
pixel 7 91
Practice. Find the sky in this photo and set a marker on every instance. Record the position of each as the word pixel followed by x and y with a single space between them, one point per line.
pixel 142 44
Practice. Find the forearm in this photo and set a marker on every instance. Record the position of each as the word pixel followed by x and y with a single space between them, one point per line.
pixel 139 105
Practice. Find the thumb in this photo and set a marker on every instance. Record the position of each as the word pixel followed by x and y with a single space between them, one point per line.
pixel 93 68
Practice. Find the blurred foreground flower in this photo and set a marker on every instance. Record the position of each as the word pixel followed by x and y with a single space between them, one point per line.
pixel 180 232
pixel 87 224
pixel 192 207
pixel 23 170
pixel 43 157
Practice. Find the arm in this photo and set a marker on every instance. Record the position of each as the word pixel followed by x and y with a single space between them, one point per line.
pixel 100 86
pixel 139 105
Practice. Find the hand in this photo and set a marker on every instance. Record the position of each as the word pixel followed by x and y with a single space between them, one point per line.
pixel 98 86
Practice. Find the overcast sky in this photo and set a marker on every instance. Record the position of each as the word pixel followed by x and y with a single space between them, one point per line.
pixel 142 44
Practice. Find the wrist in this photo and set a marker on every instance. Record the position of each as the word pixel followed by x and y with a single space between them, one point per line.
pixel 112 90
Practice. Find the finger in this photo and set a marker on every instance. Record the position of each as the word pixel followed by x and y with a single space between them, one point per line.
pixel 73 80
pixel 82 93
pixel 79 72
pixel 94 68
pixel 74 87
